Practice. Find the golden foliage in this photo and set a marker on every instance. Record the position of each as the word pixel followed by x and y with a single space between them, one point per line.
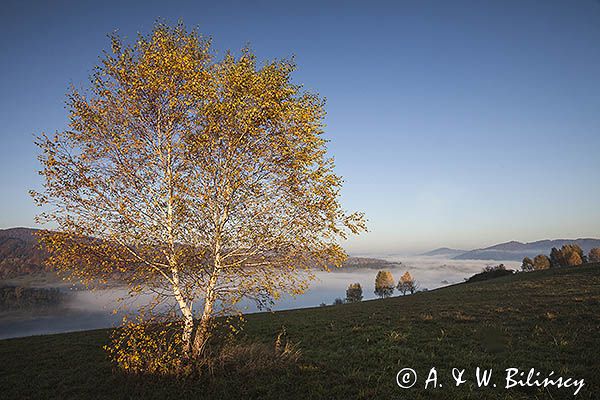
pixel 541 262
pixel 594 255
pixel 384 284
pixel 568 255
pixel 153 347
pixel 196 180
pixel 354 293
pixel 407 284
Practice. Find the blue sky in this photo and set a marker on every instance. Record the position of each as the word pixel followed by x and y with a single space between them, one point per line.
pixel 454 123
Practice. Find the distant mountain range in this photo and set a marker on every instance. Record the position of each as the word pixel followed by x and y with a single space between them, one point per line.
pixel 21 255
pixel 516 251
pixel 444 252
pixel 512 251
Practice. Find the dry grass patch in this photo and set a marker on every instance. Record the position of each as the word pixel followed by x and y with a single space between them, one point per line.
pixel 426 317
pixel 462 317
pixel 550 316
pixel 397 337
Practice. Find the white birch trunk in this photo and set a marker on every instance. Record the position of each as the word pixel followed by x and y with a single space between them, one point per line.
pixel 203 331
pixel 186 311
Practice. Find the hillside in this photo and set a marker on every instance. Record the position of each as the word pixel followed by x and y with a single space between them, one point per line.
pixel 22 258
pixel 516 251
pixel 367 262
pixel 20 253
pixel 444 252
pixel 547 320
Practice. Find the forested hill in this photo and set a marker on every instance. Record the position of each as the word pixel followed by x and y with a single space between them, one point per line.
pixel 20 253
pixel 517 250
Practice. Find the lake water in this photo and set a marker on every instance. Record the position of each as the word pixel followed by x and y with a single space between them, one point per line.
pixel 93 310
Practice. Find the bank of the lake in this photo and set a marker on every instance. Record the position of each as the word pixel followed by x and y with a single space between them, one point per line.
pixel 547 320
pixel 85 310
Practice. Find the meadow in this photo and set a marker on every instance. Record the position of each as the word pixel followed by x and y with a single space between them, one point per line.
pixel 548 320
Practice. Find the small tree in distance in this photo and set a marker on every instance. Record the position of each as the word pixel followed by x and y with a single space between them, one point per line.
pixel 354 293
pixel 407 284
pixel 555 258
pixel 527 264
pixel 541 262
pixel 568 255
pixel 490 272
pixel 571 254
pixel 594 255
pixel 573 258
pixel 384 284
pixel 338 302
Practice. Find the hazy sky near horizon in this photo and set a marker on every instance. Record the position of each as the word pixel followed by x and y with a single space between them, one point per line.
pixel 454 123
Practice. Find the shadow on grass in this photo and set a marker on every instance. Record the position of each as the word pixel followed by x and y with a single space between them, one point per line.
pixel 236 367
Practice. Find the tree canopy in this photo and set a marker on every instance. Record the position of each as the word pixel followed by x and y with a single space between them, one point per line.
pixel 354 293
pixel 541 262
pixel 197 180
pixel 407 284
pixel 594 255
pixel 384 284
pixel 527 264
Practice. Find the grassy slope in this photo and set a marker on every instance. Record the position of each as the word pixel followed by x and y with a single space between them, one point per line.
pixel 549 320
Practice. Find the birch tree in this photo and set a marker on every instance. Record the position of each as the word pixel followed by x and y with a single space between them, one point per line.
pixel 407 284
pixel 198 180
pixel 354 293
pixel 594 255
pixel 384 284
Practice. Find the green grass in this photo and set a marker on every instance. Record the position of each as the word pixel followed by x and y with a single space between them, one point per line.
pixel 549 320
